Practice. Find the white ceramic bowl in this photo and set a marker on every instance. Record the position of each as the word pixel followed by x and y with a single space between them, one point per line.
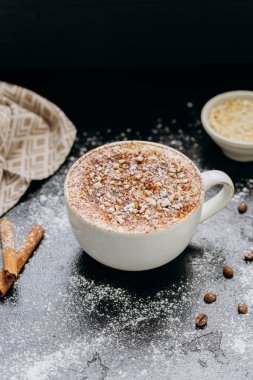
pixel 236 150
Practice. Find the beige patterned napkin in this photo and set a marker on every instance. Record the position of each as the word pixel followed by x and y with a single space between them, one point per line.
pixel 35 139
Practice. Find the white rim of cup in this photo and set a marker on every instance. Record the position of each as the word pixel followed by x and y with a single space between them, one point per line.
pixel 218 99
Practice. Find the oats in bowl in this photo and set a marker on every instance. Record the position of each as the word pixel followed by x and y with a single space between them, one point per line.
pixel 233 119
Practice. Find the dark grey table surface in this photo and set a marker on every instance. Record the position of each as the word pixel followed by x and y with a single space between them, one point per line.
pixel 69 317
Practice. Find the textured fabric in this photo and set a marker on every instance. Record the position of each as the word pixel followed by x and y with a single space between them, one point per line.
pixel 35 139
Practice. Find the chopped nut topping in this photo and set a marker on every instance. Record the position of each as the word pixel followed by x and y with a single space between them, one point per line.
pixel 151 201
pixel 133 186
pixel 97 185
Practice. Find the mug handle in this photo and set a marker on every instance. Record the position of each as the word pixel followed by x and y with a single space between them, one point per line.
pixel 220 200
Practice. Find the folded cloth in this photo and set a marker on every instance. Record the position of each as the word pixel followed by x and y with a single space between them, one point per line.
pixel 35 139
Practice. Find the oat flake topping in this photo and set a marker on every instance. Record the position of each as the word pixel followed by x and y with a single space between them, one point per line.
pixel 133 186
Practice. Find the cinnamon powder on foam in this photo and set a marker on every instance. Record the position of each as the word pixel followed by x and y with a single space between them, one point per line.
pixel 133 187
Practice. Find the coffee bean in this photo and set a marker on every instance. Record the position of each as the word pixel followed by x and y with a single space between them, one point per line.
pixel 243 308
pixel 242 208
pixel 249 256
pixel 201 321
pixel 228 272
pixel 210 297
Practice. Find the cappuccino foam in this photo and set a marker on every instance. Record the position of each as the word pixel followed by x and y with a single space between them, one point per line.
pixel 133 186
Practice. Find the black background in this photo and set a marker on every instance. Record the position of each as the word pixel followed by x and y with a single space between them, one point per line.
pixel 124 59
pixel 122 33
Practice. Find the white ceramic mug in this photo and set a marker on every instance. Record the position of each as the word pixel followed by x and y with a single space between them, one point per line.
pixel 142 251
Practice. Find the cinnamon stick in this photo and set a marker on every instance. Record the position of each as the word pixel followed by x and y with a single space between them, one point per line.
pixel 5 283
pixel 9 249
pixel 30 242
